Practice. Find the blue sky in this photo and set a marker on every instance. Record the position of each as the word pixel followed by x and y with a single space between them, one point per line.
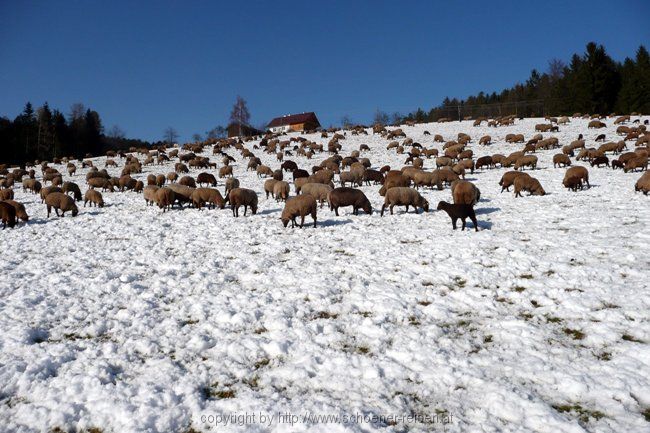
pixel 146 65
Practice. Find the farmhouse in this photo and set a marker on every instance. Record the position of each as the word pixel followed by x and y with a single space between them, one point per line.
pixel 235 130
pixel 294 122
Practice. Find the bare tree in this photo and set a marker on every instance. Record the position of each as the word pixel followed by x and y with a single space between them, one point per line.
pixel 396 118
pixel 217 132
pixel 116 132
pixel 380 118
pixel 197 137
pixel 346 122
pixel 240 114
pixel 170 135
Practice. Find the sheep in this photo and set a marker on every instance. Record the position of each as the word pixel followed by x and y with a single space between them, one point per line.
pixel 573 183
pixel 404 196
pixel 638 161
pixel 375 176
pixel 149 194
pixel 74 189
pixel 396 179
pixel 343 196
pixel 206 178
pixel 242 197
pixel 508 179
pixel 160 180
pixel 72 169
pixel 289 165
pixel 62 202
pixel 281 190
pixel 599 160
pixel 187 181
pixel 201 196
pixel 514 138
pixel 596 124
pixel 484 161
pixel 561 160
pixel 352 177
pixel 8 215
pixel 459 211
pixel 446 175
pixel 643 184
pixel 444 161
pixel 21 213
pixel 165 198
pixel 264 170
pixel 182 193
pixel 32 185
pixel 7 194
pixel 47 190
pixel 317 190
pixel 485 140
pixel 95 197
pixel 526 161
pixel 298 173
pixel 277 175
pixel 465 192
pixel 268 187
pixel 225 171
pixel 301 205
pixel 100 182
pixel 579 172
pixel 430 179
pixel 528 183
pixel 231 183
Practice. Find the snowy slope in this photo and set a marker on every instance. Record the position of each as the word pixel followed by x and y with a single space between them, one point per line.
pixel 131 320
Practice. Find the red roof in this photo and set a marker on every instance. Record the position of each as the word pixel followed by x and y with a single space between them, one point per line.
pixel 292 119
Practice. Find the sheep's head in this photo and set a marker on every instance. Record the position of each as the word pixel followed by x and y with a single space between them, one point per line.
pixel 75 210
pixel 442 205
pixel 285 221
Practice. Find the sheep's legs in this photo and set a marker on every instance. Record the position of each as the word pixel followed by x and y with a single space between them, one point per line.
pixel 453 222
pixel 302 220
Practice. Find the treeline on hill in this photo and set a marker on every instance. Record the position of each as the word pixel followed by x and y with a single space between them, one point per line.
pixel 591 83
pixel 43 134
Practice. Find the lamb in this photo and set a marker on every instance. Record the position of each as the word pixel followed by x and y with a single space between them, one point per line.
pixel 404 196
pixel 165 198
pixel 459 211
pixel 62 202
pixel 206 178
pixel 74 189
pixel 21 213
pixel 201 196
pixel 317 190
pixel 268 187
pixel 242 197
pixel 599 160
pixel 281 190
pixel 528 183
pixel 561 160
pixel 526 161
pixel 149 194
pixel 343 196
pixel 465 192
pixel 8 215
pixel 95 197
pixel 299 206
pixel 643 184
pixel 578 171
pixel 225 171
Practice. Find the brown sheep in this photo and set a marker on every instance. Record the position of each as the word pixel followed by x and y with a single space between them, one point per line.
pixel 484 161
pixel 268 187
pixel 317 190
pixel 32 185
pixel 183 193
pixel 404 196
pixel 277 174
pixel 572 183
pixel 47 190
pixel 579 172
pixel 528 183
pixel 95 197
pixel 172 176
pixel 526 161
pixel 508 179
pixel 459 211
pixel 60 202
pixel 206 178
pixel 485 140
pixel 299 206
pixel 100 182
pixel 281 190
pixel 225 171
pixel 165 198
pixel 599 160
pixel 446 175
pixel 187 181
pixel 392 180
pixel 515 138
pixel 160 180
pixel 212 197
pixel 561 160
pixel 264 171
pixel 71 187
pixel 151 179
pixel 6 194
pixel 231 183
pixel 465 192
pixel 343 196
pixel 242 197
pixel 21 213
pixel 8 215
pixel 643 184
pixel 424 178
pixel 638 161
pixel 149 194
pixel 444 161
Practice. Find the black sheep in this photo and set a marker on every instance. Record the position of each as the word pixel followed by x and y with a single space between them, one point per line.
pixel 456 211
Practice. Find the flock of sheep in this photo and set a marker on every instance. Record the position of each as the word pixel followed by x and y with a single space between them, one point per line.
pixel 316 186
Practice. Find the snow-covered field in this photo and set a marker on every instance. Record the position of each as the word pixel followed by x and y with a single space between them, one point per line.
pixel 126 319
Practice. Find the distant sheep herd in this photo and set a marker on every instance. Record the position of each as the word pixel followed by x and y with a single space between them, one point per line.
pixel 315 187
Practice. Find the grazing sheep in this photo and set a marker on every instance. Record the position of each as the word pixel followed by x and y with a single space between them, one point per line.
pixel 465 192
pixel 459 211
pixel 187 181
pixel 484 161
pixel 225 171
pixel 201 196
pixel 485 140
pixel 596 124
pixel 242 197
pixel 579 172
pixel 526 161
pixel 268 187
pixel 160 180
pixel 100 182
pixel 149 194
pixel 561 160
pixel 572 183
pixel 643 184
pixel 71 187
pixel 8 215
pixel 165 198
pixel 94 196
pixel 404 196
pixel 298 173
pixel 528 183
pixel 21 213
pixel 430 179
pixel 343 196
pixel 639 161
pixel 299 206
pixel 600 160
pixel 32 185
pixel 446 175
pixel 277 175
pixel 317 190
pixel 392 180
pixel 206 178
pixel 264 171
pixel 375 176
pixel 352 177
pixel 281 190
pixel 60 202
pixel 47 190
pixel 515 138
pixel 183 193
pixel 7 194
pixel 231 183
